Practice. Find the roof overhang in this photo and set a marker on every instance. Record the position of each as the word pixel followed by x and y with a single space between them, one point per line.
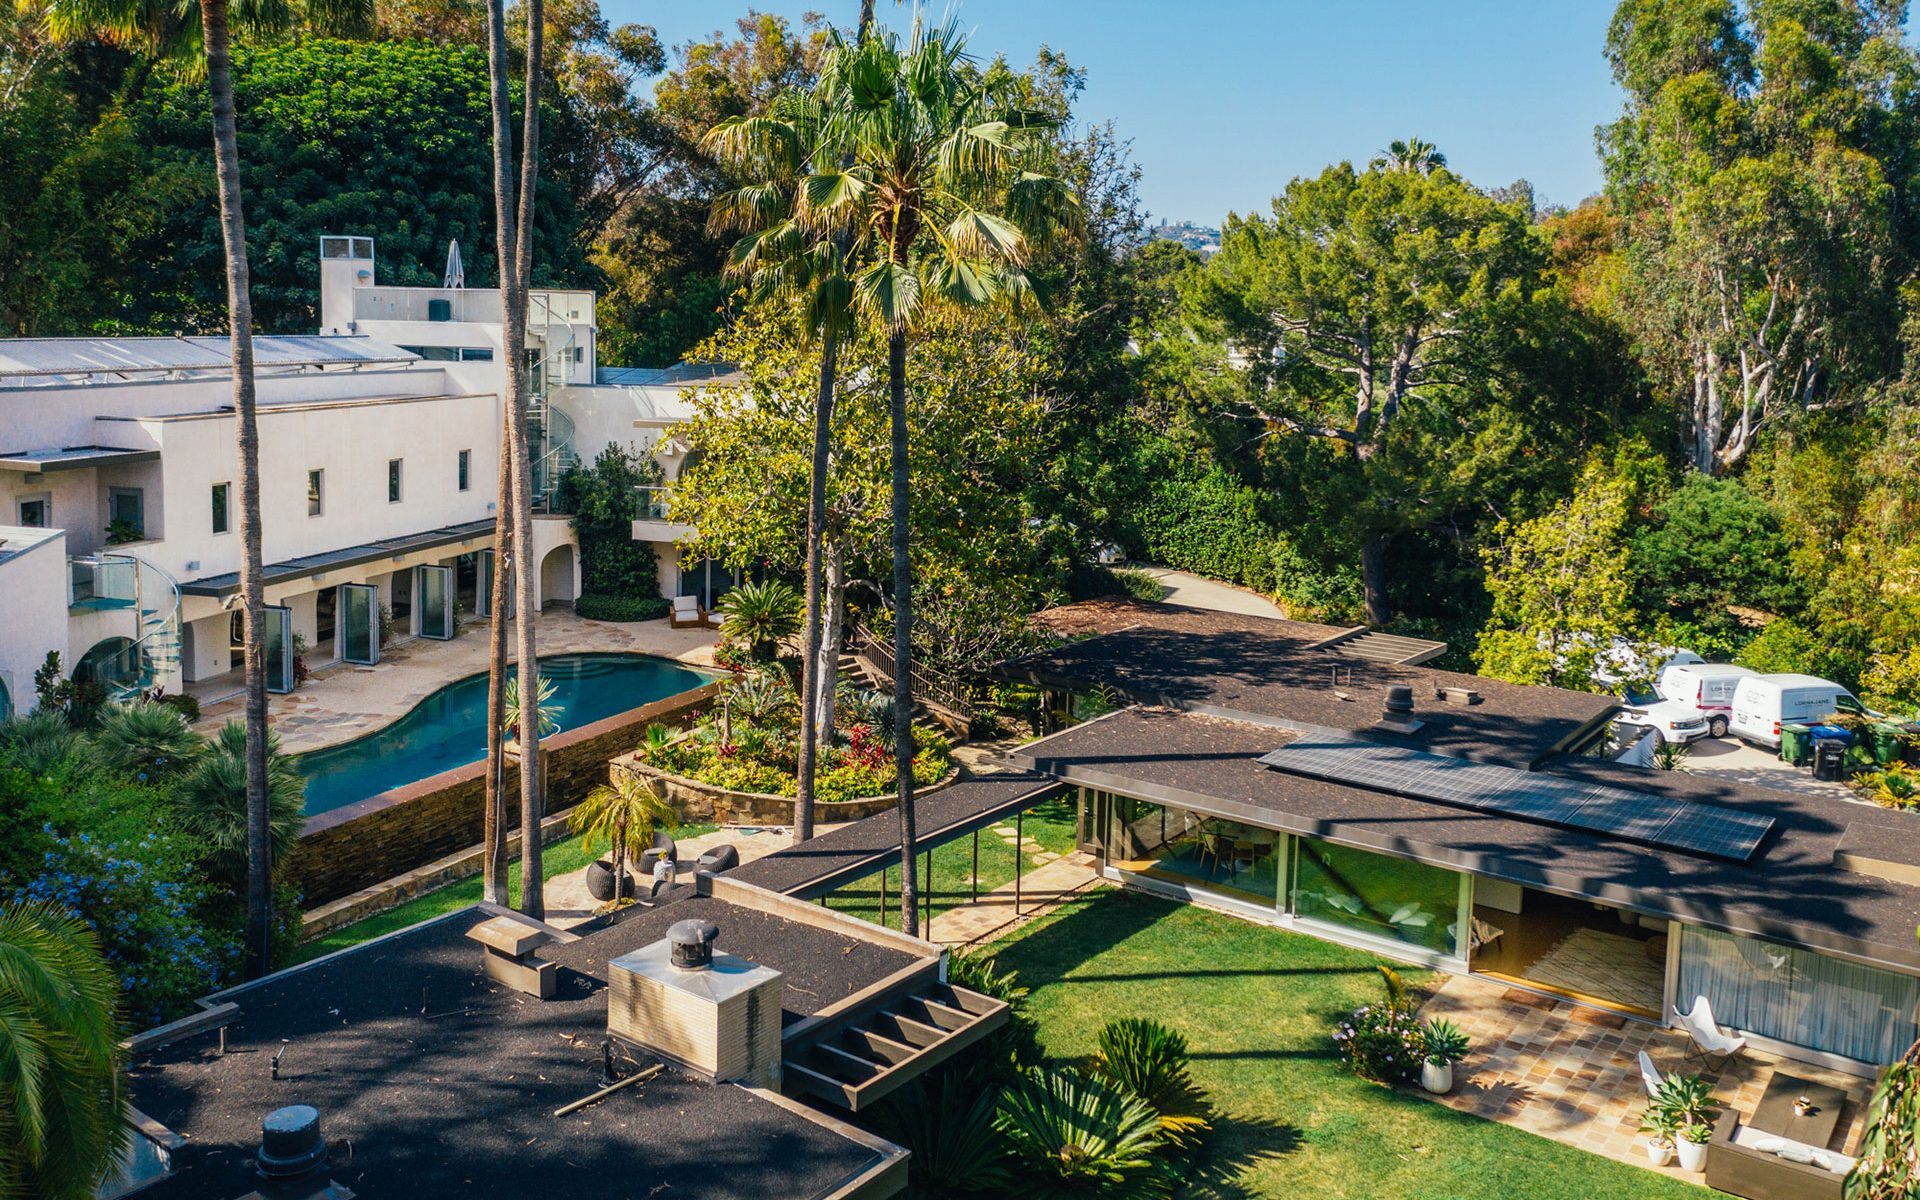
pixel 222 586
pixel 73 458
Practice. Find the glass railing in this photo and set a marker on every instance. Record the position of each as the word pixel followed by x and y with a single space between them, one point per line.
pixel 652 503
pixel 109 581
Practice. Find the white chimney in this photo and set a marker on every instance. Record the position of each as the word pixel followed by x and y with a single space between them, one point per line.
pixel 717 1014
pixel 346 263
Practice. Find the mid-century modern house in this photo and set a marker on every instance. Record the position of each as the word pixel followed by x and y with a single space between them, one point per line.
pixel 1317 779
pixel 379 438
pixel 708 1044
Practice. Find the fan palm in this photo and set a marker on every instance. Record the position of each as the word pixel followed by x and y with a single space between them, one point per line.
pixel 62 1116
pixel 42 742
pixel 213 803
pixel 932 180
pixel 1081 1137
pixel 168 29
pixel 147 740
pixel 762 615
pixel 622 813
pixel 546 714
pixel 1410 154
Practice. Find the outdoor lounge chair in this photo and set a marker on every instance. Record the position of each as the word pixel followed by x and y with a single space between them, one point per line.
pixel 1704 1033
pixel 1650 1077
pixel 686 613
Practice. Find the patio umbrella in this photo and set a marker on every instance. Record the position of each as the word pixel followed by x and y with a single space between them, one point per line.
pixel 456 270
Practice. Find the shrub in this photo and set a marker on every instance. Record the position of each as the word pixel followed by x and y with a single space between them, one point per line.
pixel 211 802
pixel 1078 1136
pixel 1311 592
pixel 1138 584
pixel 1015 1047
pixel 1896 786
pixel 147 741
pixel 1151 1061
pixel 1210 525
pixel 603 502
pixel 187 706
pixel 597 606
pixel 953 1133
pixel 1382 1042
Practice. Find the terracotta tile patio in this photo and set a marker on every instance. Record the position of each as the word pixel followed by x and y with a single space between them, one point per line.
pixel 1572 1074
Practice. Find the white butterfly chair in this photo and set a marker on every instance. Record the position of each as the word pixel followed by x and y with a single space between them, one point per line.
pixel 1704 1032
pixel 1650 1078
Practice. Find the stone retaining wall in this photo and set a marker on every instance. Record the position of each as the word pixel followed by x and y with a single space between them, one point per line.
pixel 697 803
pixel 361 844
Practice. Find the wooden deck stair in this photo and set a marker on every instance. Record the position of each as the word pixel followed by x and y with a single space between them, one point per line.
pixel 871 1055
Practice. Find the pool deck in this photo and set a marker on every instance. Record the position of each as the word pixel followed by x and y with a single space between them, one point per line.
pixel 343 701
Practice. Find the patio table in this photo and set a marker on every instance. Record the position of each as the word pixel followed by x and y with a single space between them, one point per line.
pixel 1774 1113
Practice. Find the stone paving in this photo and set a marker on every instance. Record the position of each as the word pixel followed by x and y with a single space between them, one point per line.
pixel 1042 888
pixel 1572 1073
pixel 344 701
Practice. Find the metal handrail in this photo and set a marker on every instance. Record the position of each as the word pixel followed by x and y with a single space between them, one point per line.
pixel 556 427
pixel 145 661
pixel 941 689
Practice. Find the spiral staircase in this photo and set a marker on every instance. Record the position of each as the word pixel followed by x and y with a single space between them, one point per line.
pixel 549 429
pixel 124 583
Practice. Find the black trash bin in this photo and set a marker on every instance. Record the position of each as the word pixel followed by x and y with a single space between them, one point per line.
pixel 1830 760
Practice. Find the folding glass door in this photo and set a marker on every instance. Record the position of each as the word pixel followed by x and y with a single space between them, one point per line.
pixel 358 623
pixel 433 593
pixel 277 645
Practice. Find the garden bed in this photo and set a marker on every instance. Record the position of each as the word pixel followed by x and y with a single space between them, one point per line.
pixel 695 801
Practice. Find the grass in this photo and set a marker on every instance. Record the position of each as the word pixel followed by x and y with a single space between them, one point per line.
pixel 1051 825
pixel 1257 1005
pixel 560 858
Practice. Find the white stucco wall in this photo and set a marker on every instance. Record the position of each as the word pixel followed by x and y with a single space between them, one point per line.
pixel 33 598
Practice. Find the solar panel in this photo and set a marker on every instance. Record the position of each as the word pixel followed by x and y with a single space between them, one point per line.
pixel 1707 829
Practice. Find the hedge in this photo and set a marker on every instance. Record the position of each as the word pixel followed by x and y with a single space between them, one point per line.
pixel 620 608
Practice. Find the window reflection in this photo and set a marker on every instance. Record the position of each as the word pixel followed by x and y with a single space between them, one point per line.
pixel 1188 848
pixel 1386 897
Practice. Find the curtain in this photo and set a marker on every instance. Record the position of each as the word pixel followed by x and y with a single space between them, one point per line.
pixel 1797 996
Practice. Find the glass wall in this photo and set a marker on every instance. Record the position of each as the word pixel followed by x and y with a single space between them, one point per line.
pixel 1380 896
pixel 1797 996
pixel 1239 861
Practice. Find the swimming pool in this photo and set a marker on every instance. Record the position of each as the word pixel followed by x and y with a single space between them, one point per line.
pixel 449 728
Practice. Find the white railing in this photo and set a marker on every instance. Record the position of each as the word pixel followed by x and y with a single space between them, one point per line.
pixel 426 304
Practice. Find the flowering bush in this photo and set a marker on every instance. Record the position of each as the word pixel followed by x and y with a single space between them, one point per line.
pixel 1383 1042
pixel 142 898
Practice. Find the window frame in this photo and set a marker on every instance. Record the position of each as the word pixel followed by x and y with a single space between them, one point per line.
pixel 463 470
pixel 316 491
pixel 396 480
pixel 220 506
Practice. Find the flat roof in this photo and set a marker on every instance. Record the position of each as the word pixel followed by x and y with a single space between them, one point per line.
pixel 1224 663
pixel 678 375
pixel 444 1083
pixel 34 358
pixel 1791 891
pixel 351 556
pixel 70 458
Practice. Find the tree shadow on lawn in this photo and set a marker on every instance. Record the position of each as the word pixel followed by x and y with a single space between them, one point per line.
pixel 1232 1148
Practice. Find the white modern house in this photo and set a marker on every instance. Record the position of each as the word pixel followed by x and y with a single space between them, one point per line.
pixel 379 439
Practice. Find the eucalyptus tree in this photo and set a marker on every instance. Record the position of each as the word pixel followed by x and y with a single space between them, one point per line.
pixel 198 35
pixel 938 180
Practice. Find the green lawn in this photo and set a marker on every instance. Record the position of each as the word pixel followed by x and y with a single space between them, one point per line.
pixel 559 858
pixel 1050 824
pixel 1257 1004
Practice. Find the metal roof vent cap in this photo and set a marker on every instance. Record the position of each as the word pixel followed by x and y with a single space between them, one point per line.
pixel 1399 702
pixel 290 1142
pixel 692 942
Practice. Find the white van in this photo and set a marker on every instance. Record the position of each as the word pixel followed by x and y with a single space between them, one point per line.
pixel 1762 703
pixel 1708 687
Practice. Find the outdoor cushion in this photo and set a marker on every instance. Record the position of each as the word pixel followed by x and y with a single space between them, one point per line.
pixel 1833 1161
pixel 1794 1152
pixel 1754 1139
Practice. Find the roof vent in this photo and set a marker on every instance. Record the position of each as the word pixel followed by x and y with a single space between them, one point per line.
pixel 1459 695
pixel 290 1143
pixel 1397 712
pixel 692 943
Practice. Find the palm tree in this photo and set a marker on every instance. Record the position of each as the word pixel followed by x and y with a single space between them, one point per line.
pixel 147 740
pixel 762 615
pixel 924 151
pixel 167 30
pixel 214 802
pixel 62 1116
pixel 513 221
pixel 1410 154
pixel 624 814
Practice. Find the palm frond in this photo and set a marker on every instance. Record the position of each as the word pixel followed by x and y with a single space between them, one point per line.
pixel 889 293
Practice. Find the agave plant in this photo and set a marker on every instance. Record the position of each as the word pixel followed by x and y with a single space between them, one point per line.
pixel 1077 1136
pixel 147 740
pixel 760 616
pixel 759 697
pixel 958 1148
pixel 211 801
pixel 1150 1060
pixel 862 706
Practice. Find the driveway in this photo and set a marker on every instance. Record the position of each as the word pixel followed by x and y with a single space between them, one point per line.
pixel 1197 592
pixel 1733 760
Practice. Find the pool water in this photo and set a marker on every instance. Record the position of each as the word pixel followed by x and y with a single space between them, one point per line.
pixel 448 728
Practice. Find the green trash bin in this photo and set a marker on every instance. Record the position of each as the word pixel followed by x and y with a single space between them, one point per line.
pixel 1795 746
pixel 1885 737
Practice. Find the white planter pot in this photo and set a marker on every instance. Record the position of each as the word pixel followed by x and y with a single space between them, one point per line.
pixel 1693 1155
pixel 1437 1077
pixel 1660 1152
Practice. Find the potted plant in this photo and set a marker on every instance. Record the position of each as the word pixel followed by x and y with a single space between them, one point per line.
pixel 1686 1110
pixel 623 813
pixel 1657 1122
pixel 1445 1046
pixel 1693 1146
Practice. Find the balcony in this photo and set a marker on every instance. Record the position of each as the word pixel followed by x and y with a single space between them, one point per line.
pixel 652 521
pixel 480 306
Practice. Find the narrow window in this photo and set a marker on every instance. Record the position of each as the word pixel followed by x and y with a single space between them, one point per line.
pixel 466 458
pixel 393 480
pixel 315 482
pixel 221 491
pixel 36 513
pixel 126 514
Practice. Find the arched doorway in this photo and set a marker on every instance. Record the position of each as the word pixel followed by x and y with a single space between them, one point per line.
pixel 110 661
pixel 556 576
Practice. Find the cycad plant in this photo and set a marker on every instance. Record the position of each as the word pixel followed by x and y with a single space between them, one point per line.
pixel 953 1132
pixel 623 814
pixel 42 742
pixel 1078 1136
pixel 936 180
pixel 148 741
pixel 762 615
pixel 212 803
pixel 758 698
pixel 62 1115
pixel 1151 1061
pixel 546 714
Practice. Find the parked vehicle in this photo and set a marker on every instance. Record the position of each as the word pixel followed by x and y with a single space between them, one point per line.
pixel 1706 687
pixel 1670 720
pixel 1763 703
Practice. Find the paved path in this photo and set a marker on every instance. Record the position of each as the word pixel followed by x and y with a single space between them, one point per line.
pixel 1197 592
pixel 345 701
pixel 1736 762
pixel 1041 889
pixel 568 903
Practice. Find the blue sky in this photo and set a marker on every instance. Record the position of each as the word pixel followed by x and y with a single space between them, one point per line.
pixel 1226 100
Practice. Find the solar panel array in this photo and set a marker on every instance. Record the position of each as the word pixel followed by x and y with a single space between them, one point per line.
pixel 1707 829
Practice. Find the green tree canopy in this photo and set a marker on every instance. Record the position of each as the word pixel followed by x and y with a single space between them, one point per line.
pixel 1713 546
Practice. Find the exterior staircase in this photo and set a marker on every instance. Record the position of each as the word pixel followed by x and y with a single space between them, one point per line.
pixel 550 430
pixel 867 660
pixel 111 582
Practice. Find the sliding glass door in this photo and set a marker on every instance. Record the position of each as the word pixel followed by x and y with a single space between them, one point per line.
pixel 433 591
pixel 359 623
pixel 276 644
pixel 1797 996
pixel 1381 897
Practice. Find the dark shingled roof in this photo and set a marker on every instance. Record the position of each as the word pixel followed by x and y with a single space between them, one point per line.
pixel 868 846
pixel 444 1083
pixel 1225 663
pixel 1790 891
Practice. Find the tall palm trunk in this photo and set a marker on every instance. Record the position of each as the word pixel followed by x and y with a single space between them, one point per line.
pixel 812 666
pixel 233 237
pixel 494 885
pixel 834 618
pixel 902 629
pixel 532 777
